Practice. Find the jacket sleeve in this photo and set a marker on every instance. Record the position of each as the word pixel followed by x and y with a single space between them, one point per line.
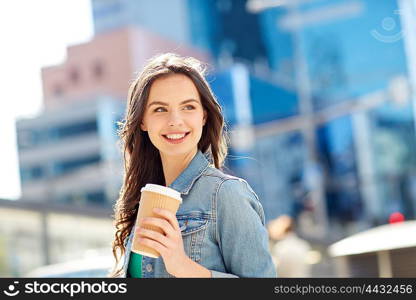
pixel 241 232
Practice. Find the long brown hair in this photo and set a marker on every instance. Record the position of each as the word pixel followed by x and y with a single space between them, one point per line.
pixel 142 163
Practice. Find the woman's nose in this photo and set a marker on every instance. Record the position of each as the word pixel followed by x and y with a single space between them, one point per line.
pixel 175 119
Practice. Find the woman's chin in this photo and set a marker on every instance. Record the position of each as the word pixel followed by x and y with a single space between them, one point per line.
pixel 178 151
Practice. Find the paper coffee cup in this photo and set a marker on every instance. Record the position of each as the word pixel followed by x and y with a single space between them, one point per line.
pixel 154 196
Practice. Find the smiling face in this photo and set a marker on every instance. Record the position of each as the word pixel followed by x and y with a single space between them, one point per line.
pixel 174 115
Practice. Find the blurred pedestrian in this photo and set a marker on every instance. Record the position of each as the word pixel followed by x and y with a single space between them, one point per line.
pixel 289 251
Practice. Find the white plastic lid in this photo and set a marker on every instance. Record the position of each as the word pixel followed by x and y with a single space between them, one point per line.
pixel 162 190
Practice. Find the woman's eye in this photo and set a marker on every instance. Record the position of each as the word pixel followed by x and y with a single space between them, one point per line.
pixel 159 109
pixel 162 109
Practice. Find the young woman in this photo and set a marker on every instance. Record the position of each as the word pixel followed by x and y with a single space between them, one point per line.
pixel 174 135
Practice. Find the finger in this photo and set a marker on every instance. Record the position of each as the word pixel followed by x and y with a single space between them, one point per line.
pixel 156 236
pixel 153 244
pixel 161 223
pixel 168 215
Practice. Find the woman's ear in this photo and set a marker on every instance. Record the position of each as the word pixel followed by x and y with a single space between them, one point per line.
pixel 204 120
pixel 143 127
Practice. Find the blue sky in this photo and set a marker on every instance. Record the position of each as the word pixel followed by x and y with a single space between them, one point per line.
pixel 33 34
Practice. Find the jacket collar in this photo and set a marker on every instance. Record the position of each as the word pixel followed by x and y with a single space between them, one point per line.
pixel 183 183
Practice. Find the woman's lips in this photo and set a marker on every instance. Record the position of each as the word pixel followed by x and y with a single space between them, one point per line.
pixel 176 141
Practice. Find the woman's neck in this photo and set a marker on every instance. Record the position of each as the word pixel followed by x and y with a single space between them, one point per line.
pixel 173 166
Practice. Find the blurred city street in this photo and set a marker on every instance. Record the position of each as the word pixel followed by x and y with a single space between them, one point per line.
pixel 319 100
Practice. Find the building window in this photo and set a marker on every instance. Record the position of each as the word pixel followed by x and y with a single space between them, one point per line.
pixel 83 198
pixel 74 76
pixel 68 166
pixel 28 138
pixel 96 197
pixel 58 90
pixel 224 5
pixel 25 139
pixel 76 129
pixel 31 173
pixel 98 70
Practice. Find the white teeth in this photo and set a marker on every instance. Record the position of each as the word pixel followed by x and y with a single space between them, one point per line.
pixel 175 136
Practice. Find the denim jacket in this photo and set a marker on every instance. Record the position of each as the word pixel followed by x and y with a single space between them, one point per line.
pixel 222 225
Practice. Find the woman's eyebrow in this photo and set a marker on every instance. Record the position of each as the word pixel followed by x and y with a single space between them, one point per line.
pixel 167 104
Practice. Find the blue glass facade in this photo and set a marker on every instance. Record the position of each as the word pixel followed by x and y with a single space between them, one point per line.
pixel 360 62
pixel 54 168
pixel 221 84
pixel 70 165
pixel 271 103
pixel 278 178
pixel 69 143
pixel 215 26
pixel 232 30
pixel 166 18
pixel 337 150
pixel 275 159
pixel 35 137
pixel 278 43
pixel 351 49
pixel 395 161
pixel 343 43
